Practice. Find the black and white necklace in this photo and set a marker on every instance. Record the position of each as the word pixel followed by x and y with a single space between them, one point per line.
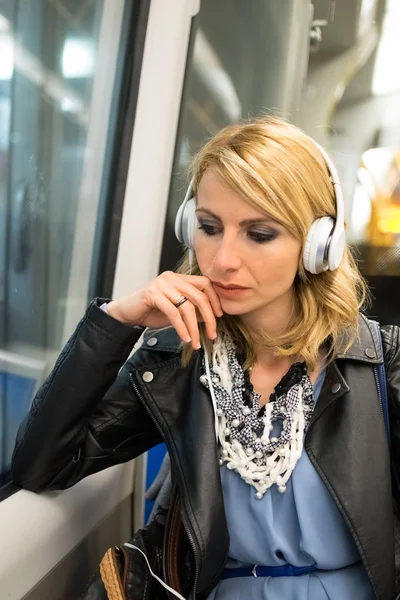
pixel 247 444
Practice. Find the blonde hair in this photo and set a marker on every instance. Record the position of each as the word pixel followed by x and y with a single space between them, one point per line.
pixel 278 169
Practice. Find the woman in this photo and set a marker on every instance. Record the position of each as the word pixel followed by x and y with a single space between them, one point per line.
pixel 259 379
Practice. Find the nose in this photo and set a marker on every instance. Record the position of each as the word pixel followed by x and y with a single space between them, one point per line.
pixel 227 257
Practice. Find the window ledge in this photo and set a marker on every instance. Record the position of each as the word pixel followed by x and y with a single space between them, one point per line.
pixel 39 530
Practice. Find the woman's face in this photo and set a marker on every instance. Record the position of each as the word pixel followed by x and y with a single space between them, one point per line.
pixel 251 259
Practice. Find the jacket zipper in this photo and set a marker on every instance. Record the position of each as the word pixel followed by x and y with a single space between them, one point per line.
pixel 378 387
pixel 185 519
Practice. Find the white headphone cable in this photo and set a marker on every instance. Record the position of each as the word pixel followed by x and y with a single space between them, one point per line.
pixel 153 574
pixel 213 399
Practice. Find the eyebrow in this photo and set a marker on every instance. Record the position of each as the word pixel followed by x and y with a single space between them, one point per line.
pixel 243 223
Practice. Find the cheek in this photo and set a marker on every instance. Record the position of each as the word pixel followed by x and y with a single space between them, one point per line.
pixel 279 265
pixel 204 254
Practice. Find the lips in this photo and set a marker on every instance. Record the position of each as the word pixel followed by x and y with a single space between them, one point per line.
pixel 230 286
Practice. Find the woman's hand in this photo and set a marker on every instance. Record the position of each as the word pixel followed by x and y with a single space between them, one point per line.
pixel 153 306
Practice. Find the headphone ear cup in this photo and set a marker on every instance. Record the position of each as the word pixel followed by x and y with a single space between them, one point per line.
pixel 191 223
pixel 316 243
pixel 186 223
pixel 336 249
pixel 178 223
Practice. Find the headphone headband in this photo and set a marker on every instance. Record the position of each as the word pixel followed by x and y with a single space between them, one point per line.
pixel 336 185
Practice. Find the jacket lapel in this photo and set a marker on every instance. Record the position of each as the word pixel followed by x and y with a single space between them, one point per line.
pixel 182 409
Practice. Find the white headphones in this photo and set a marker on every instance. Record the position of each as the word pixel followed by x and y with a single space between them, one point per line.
pixel 325 242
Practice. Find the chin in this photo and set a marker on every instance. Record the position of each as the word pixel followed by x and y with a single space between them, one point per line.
pixel 233 308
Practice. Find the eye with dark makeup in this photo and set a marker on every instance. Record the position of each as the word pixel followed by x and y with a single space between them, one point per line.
pixel 257 236
pixel 261 237
pixel 208 228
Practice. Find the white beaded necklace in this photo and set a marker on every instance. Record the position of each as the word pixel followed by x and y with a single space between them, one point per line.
pixel 243 429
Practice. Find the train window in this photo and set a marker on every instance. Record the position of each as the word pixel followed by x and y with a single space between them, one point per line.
pixel 59 88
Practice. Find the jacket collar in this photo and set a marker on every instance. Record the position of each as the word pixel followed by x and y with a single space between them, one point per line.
pixel 365 348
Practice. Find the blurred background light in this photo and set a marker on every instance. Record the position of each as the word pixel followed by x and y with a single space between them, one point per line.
pixel 387 72
pixel 78 58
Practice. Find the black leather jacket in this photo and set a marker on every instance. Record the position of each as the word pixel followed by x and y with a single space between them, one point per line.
pixel 91 414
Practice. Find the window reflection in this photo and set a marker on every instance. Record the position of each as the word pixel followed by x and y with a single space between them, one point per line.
pixel 58 62
pixel 78 58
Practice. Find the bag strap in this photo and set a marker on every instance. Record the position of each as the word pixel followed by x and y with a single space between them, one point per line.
pixel 380 378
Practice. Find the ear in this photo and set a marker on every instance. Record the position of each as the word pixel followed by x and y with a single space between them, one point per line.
pixel 301 273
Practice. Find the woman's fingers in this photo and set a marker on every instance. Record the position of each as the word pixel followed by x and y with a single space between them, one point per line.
pixel 188 314
pixel 154 306
pixel 158 300
pixel 205 285
pixel 197 299
pixel 175 318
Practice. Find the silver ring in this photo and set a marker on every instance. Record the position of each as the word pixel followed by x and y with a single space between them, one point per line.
pixel 179 301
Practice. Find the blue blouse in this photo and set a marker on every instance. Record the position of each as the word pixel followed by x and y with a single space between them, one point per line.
pixel 301 527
